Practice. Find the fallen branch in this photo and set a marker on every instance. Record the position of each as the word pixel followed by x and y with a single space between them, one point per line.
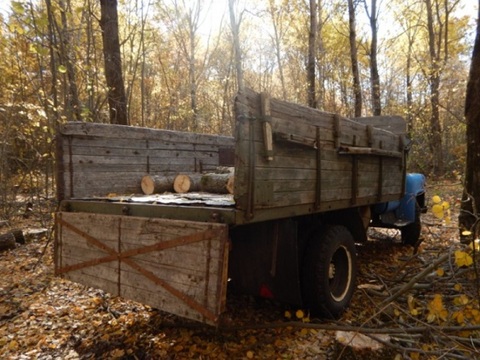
pixel 415 279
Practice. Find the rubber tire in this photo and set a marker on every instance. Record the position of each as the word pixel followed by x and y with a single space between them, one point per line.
pixel 324 296
pixel 411 232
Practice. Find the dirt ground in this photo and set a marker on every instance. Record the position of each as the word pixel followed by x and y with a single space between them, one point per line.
pixel 433 313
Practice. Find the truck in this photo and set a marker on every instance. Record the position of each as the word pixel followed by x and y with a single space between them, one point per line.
pixel 307 185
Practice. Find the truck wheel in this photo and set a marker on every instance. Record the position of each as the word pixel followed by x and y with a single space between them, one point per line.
pixel 329 272
pixel 411 232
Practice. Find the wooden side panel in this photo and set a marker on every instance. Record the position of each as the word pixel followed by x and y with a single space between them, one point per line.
pixel 100 159
pixel 310 164
pixel 175 266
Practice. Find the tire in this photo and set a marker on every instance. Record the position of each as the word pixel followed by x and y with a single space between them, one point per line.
pixel 411 232
pixel 329 272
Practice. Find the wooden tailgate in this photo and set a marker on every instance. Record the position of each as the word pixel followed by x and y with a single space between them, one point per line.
pixel 176 266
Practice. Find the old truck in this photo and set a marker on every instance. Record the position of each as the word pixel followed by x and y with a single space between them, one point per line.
pixel 307 185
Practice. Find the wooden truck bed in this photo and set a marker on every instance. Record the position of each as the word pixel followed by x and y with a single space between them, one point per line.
pixel 171 250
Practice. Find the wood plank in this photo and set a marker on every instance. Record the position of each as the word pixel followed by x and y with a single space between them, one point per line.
pixel 139 133
pixel 183 263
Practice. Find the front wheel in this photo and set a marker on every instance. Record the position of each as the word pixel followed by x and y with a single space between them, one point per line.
pixel 411 232
pixel 329 272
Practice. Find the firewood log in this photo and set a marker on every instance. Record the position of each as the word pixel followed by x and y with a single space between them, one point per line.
pixel 154 184
pixel 7 241
pixel 187 183
pixel 218 183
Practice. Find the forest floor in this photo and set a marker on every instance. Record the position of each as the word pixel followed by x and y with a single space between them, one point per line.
pixel 407 306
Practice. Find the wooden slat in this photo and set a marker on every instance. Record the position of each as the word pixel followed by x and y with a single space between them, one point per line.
pixel 92 154
pixel 295 158
pixel 182 262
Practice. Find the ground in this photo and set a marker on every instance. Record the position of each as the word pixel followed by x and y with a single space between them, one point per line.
pixel 408 305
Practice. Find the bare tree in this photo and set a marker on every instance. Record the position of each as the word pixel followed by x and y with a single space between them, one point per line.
pixel 117 101
pixel 469 218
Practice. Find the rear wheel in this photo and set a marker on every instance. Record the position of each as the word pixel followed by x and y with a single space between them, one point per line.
pixel 329 272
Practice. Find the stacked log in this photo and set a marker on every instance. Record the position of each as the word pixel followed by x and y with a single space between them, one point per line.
pixel 217 183
pixel 187 183
pixel 155 184
pixel 220 182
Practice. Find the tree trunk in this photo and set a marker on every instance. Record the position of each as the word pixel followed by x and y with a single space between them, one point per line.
pixel 435 138
pixel 374 76
pixel 312 40
pixel 117 101
pixel 235 24
pixel 72 101
pixel 357 88
pixel 469 218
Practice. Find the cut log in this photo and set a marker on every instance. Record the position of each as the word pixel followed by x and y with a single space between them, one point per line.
pixel 19 237
pixel 7 241
pixel 225 170
pixel 155 184
pixel 187 182
pixel 218 183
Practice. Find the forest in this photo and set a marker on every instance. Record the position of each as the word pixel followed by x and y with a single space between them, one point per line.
pixel 182 63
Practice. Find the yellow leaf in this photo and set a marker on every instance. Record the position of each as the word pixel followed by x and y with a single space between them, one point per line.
pixel 303 332
pixel 278 343
pixel 459 316
pixel 476 244
pixel 437 210
pixel 466 233
pixel 415 356
pixel 462 258
pixel 436 309
pixel 440 272
pixel 436 199
pixel 250 354
pixel 13 345
pixel 445 205
pixel 288 314
pixel 461 300
pixel 178 348
pixel 117 354
pixel 299 314
pixel 457 287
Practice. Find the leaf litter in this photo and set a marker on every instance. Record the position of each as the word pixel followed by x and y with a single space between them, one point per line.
pixel 407 306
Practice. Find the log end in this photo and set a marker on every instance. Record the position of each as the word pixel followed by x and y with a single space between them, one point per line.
pixel 148 185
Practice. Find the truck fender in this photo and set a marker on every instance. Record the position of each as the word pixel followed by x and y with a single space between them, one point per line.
pixel 352 219
pixel 413 199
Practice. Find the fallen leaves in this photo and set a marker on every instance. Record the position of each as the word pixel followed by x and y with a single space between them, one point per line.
pixel 42 316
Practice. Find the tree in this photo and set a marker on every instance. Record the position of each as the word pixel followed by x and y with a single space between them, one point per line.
pixel 312 40
pixel 235 25
pixel 357 87
pixel 374 75
pixel 117 100
pixel 469 219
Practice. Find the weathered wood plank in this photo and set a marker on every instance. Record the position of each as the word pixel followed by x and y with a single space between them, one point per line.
pixel 183 263
pixel 267 184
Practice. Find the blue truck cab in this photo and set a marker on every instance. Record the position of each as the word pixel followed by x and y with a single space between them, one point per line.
pixel 404 214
